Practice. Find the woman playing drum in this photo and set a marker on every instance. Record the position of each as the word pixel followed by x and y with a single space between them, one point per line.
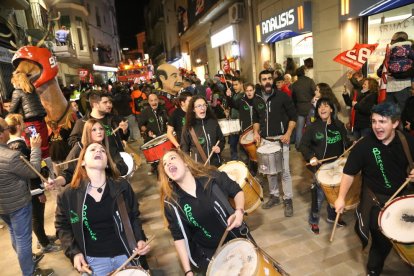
pixel 201 120
pixel 325 138
pixel 93 131
pixel 194 200
pixel 88 215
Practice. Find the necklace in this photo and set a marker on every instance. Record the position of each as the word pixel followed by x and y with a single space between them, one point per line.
pixel 99 189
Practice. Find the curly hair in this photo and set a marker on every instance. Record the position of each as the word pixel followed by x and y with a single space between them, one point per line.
pixel 190 117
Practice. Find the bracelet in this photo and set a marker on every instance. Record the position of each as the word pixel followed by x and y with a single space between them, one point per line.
pixel 188 271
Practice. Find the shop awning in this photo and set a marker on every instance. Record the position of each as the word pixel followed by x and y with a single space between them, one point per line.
pixel 104 68
pixel 275 37
pixel 358 8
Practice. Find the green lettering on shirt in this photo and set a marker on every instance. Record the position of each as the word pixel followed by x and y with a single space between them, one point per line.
pixel 151 120
pixel 74 218
pixel 189 215
pixel 108 130
pixel 86 223
pixel 334 136
pixel 377 155
pixel 201 140
pixel 183 121
pixel 260 106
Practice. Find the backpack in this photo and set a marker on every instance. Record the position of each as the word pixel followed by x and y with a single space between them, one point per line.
pixel 400 64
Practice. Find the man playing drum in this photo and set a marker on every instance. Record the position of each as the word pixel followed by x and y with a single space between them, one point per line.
pixel 277 119
pixel 325 138
pixel 381 159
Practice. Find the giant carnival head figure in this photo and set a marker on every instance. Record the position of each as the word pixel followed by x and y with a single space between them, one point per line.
pixel 169 78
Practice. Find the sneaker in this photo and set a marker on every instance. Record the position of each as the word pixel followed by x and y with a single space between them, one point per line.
pixel 273 201
pixel 149 173
pixel 37 257
pixel 314 228
pixel 43 272
pixel 51 247
pixel 340 223
pixel 288 207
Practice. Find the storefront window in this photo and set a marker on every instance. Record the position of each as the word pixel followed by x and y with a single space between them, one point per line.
pixel 299 48
pixel 381 28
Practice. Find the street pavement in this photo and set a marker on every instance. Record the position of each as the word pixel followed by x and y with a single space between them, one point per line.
pixel 288 240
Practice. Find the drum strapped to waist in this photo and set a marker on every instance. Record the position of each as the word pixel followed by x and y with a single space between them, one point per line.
pixel 248 143
pixel 253 192
pixel 154 150
pixel 396 222
pixel 229 126
pixel 329 176
pixel 270 157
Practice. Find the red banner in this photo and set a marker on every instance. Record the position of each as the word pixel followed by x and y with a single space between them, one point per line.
pixel 83 73
pixel 357 56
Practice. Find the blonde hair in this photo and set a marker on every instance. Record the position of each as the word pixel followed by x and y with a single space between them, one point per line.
pixel 80 171
pixel 13 120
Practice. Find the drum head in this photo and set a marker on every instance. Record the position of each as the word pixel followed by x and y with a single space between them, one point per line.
pixel 397 219
pixel 330 175
pixel 236 170
pixel 132 271
pixel 237 257
pixel 156 141
pixel 247 137
pixel 129 161
pixel 269 148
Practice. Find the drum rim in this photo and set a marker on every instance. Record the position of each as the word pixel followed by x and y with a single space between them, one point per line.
pixel 140 268
pixel 236 162
pixel 162 139
pixel 266 145
pixel 223 246
pixel 383 211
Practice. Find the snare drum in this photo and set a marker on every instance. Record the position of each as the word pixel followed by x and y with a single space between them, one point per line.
pixel 154 150
pixel 229 126
pixel 248 143
pixel 396 221
pixel 329 176
pixel 253 192
pixel 240 257
pixel 131 271
pixel 129 161
pixel 269 158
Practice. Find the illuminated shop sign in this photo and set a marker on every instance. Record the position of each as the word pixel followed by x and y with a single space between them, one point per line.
pixel 286 24
pixel 357 8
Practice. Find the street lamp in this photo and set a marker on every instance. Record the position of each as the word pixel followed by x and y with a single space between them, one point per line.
pixel 235 49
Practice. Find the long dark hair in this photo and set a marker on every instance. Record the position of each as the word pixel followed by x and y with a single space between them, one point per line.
pixel 326 92
pixel 328 101
pixel 190 117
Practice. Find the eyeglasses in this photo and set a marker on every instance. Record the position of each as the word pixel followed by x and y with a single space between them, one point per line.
pixel 199 106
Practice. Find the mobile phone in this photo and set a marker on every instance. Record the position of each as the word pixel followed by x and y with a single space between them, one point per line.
pixel 33 131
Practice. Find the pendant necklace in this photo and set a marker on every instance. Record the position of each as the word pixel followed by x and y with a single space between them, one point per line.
pixel 99 189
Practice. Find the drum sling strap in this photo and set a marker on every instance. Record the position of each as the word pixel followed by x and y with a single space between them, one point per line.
pixel 406 150
pixel 198 146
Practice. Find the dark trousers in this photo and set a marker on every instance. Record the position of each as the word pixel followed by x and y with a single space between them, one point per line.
pixel 234 143
pixel 38 221
pixel 381 245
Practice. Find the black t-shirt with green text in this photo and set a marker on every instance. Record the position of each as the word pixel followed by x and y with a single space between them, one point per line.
pixel 177 121
pixel 334 141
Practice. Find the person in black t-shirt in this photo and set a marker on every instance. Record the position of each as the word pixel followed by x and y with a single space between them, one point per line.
pixel 324 138
pixel 177 120
pixel 196 208
pixel 89 220
pixel 381 159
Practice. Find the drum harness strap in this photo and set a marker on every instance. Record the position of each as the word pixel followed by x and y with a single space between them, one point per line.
pixel 198 146
pixel 406 151
pixel 244 229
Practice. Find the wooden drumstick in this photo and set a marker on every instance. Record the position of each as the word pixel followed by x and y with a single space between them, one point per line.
pixel 211 153
pixel 131 257
pixel 223 238
pixel 334 228
pixel 33 169
pixel 323 160
pixel 349 149
pixel 115 130
pixel 86 268
pixel 67 162
pixel 398 191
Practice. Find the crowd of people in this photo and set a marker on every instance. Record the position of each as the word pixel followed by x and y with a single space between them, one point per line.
pixel 97 216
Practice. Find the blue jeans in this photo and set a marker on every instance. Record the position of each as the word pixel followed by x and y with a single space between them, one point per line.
pixel 20 227
pixel 234 143
pixel 320 197
pixel 102 266
pixel 300 123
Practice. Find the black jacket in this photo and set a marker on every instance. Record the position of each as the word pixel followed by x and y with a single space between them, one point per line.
pixel 247 112
pixel 303 91
pixel 407 114
pixel 27 104
pixel 365 101
pixel 181 228
pixel 109 122
pixel 313 142
pixel 275 114
pixel 121 103
pixel 154 121
pixel 69 224
pixel 208 133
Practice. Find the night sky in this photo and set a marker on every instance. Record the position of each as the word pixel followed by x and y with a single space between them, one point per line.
pixel 130 15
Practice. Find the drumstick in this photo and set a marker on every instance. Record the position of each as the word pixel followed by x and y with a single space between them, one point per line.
pixel 67 162
pixel 334 228
pixel 398 191
pixel 86 268
pixel 223 238
pixel 115 130
pixel 349 149
pixel 132 256
pixel 323 160
pixel 33 169
pixel 211 153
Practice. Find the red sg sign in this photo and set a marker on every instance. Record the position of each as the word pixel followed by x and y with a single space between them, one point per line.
pixel 83 73
pixel 357 56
